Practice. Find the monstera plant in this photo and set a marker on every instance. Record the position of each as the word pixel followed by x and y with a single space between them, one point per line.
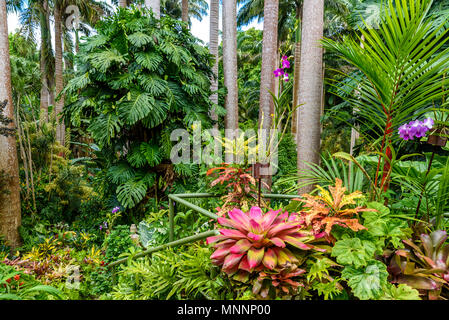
pixel 423 266
pixel 137 80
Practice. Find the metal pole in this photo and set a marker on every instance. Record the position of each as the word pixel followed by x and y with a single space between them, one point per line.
pixel 194 207
pixel 193 238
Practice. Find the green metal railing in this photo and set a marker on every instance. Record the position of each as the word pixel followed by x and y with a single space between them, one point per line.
pixel 180 198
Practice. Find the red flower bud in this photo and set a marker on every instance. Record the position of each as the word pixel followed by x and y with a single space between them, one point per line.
pixel 17 277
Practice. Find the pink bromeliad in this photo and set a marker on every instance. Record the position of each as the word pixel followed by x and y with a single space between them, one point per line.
pixel 254 241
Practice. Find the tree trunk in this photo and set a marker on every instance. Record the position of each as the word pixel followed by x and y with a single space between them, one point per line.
pixel 213 47
pixel 296 72
pixel 230 69
pixel 123 3
pixel 185 10
pixel 60 127
pixel 44 96
pixel 10 216
pixel 310 86
pixel 270 62
pixel 155 5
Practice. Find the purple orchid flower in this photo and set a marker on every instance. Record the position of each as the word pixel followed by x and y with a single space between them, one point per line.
pixel 116 209
pixel 278 72
pixel 404 132
pixel 285 63
pixel 415 128
pixel 428 122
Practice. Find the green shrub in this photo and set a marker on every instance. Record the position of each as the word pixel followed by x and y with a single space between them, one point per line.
pixel 139 79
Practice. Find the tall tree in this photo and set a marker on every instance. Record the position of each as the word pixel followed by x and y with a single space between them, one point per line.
pixel 230 68
pixel 91 11
pixel 213 47
pixel 46 57
pixel 195 9
pixel 310 85
pixel 59 79
pixel 185 10
pixel 297 61
pixel 269 63
pixel 10 215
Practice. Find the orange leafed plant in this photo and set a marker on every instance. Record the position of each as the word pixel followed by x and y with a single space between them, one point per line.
pixel 332 207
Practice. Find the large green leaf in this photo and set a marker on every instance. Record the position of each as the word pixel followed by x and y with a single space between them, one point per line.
pixel 353 251
pixel 131 192
pixel 400 292
pixel 367 282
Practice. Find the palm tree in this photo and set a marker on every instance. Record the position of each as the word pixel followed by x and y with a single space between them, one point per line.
pixel 269 63
pixel 310 86
pixel 196 9
pixel 60 128
pixel 230 69
pixel 403 65
pixel 91 11
pixel 185 10
pixel 46 54
pixel 213 47
pixel 297 61
pixel 10 212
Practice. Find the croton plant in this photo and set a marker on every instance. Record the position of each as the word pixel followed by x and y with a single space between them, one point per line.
pixel 333 207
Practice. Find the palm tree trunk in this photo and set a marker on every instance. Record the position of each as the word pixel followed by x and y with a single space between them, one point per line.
pixel 10 215
pixel 310 86
pixel 60 127
pixel 213 47
pixel 267 79
pixel 44 96
pixel 185 10
pixel 123 3
pixel 230 70
pixel 296 71
pixel 354 132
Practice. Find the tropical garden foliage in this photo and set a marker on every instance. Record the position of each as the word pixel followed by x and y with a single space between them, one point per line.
pixel 90 196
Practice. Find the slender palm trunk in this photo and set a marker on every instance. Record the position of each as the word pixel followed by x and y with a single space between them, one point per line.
pixel 310 85
pixel 45 90
pixel 123 3
pixel 77 41
pixel 185 10
pixel 296 72
pixel 230 69
pixel 60 127
pixel 267 79
pixel 10 215
pixel 354 131
pixel 213 47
